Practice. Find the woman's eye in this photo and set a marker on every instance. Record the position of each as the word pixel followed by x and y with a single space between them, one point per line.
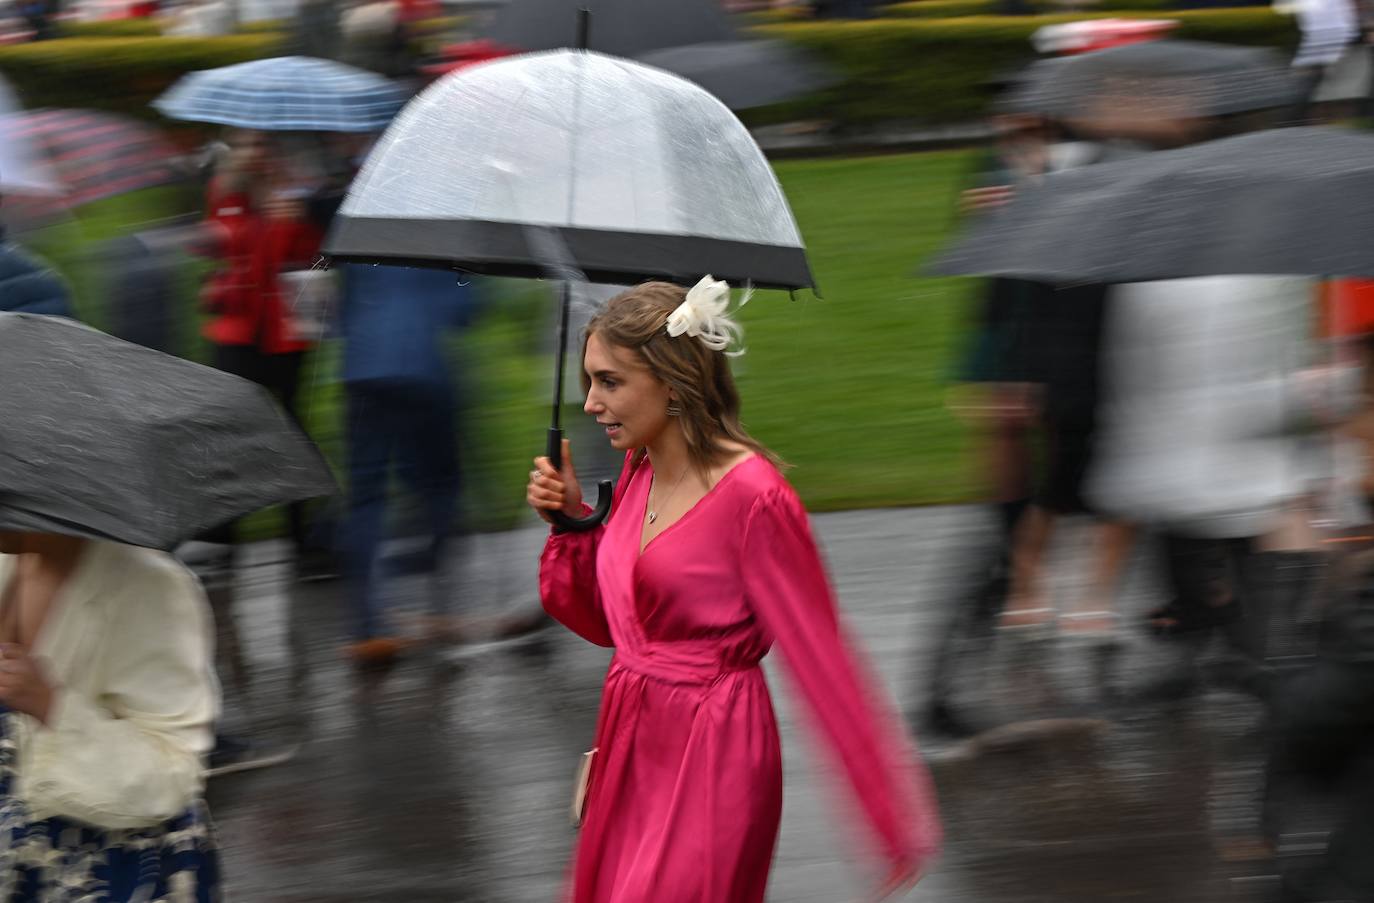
pixel 608 383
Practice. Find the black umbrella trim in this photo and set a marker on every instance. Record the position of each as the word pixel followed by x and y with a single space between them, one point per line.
pixel 607 256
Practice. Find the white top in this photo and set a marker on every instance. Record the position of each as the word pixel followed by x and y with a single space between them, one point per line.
pixel 1202 402
pixel 129 643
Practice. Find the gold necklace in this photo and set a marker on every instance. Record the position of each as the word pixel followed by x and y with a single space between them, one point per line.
pixel 653 509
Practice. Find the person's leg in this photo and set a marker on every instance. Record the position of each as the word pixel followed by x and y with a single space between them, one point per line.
pixel 1025 600
pixel 1253 583
pixel 428 456
pixel 238 360
pixel 1195 571
pixel 442 471
pixel 1068 448
pixel 370 444
pixel 1096 613
pixel 1308 79
pixel 283 372
pixel 1201 590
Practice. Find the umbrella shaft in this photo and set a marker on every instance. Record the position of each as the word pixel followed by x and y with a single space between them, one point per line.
pixel 563 314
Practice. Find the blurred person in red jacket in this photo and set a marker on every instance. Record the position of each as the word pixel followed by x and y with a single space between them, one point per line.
pixel 259 227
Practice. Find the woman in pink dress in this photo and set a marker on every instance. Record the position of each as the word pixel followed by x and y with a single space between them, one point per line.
pixel 706 561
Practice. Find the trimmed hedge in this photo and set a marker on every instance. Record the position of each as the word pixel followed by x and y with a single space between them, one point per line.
pixel 150 28
pixel 119 74
pixel 927 71
pixel 934 71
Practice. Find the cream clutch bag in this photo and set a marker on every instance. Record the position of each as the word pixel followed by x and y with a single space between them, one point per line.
pixel 584 774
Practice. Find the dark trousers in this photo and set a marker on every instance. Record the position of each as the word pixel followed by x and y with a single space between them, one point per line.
pixel 407 428
pixel 1324 729
pixel 280 375
pixel 1218 583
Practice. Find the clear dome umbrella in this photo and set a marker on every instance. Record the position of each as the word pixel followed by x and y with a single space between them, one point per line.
pixel 629 172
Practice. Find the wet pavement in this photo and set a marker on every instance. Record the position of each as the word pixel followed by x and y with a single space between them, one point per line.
pixel 447 778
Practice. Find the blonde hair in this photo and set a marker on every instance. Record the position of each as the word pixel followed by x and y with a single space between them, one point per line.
pixel 699 377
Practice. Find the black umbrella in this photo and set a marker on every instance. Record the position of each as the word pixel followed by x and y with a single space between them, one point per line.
pixel 109 440
pixel 1285 202
pixel 1178 78
pixel 691 38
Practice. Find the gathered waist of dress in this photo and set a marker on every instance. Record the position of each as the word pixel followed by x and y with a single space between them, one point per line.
pixel 683 661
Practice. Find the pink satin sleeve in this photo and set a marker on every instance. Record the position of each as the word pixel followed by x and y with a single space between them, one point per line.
pixel 567 573
pixel 567 583
pixel 790 593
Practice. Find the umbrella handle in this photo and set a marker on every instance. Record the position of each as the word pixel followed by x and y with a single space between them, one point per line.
pixel 604 491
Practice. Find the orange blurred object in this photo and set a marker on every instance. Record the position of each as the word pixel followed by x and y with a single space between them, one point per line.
pixel 1347 307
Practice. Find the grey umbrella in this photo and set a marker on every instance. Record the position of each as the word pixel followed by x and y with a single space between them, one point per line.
pixel 691 38
pixel 1180 78
pixel 619 27
pixel 108 440
pixel 745 74
pixel 1285 202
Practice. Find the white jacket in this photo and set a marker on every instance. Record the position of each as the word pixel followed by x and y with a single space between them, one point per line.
pixel 1200 406
pixel 129 642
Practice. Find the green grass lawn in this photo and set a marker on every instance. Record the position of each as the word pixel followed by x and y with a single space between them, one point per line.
pixel 848 388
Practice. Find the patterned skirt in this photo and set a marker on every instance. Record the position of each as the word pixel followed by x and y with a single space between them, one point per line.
pixel 55 860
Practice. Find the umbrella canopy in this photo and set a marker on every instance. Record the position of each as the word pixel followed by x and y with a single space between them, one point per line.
pixel 109 440
pixel 22 168
pixel 98 155
pixel 1178 78
pixel 745 74
pixel 1286 202
pixel 285 94
pixel 643 174
pixel 619 27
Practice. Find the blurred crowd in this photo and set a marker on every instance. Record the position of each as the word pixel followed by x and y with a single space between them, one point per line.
pixel 1214 428
pixel 1219 427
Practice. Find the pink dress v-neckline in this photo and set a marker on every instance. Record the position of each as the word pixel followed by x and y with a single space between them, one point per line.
pixel 648 470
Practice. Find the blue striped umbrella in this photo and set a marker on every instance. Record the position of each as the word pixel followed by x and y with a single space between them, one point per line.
pixel 285 94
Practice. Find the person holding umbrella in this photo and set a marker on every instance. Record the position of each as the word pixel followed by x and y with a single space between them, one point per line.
pixel 109 699
pixel 115 454
pixel 259 229
pixel 705 563
pixel 707 558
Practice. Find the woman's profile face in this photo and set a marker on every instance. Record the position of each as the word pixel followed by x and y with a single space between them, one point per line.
pixel 625 397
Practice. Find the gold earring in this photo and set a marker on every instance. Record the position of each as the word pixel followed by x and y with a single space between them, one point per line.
pixel 674 410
